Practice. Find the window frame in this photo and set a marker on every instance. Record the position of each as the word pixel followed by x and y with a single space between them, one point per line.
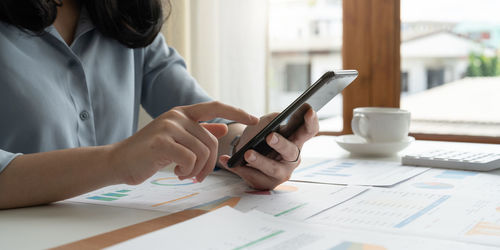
pixel 371 45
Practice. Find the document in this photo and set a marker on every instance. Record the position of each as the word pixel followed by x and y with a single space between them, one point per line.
pixel 165 192
pixel 474 219
pixel 292 200
pixel 226 228
pixel 356 172
pixel 162 192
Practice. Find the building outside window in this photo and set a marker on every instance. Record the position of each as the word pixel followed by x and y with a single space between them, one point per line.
pixel 450 58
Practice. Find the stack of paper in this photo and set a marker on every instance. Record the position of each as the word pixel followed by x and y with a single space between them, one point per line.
pixel 164 192
pixel 413 208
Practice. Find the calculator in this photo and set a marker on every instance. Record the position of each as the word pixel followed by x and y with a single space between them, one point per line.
pixel 464 160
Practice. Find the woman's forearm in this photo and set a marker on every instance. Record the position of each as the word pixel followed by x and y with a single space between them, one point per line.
pixel 41 178
pixel 175 136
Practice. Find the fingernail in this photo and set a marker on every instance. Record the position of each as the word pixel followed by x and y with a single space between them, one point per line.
pixel 252 157
pixel 222 160
pixel 274 139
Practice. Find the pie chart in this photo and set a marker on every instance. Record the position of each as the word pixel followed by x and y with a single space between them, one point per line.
pixel 173 181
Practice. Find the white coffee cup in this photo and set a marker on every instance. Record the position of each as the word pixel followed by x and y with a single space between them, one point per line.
pixel 381 124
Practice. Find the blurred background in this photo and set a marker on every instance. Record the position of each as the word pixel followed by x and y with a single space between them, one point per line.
pixel 260 55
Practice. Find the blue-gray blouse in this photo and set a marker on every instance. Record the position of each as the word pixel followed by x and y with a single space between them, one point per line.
pixel 54 96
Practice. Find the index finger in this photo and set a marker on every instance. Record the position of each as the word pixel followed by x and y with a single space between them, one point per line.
pixel 211 110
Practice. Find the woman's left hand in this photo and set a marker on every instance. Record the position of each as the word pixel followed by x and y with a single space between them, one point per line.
pixel 267 172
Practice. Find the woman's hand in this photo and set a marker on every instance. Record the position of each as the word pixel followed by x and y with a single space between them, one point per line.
pixel 175 136
pixel 267 172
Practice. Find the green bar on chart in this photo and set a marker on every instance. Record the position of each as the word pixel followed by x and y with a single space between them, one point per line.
pixel 115 194
pixel 123 191
pixel 100 198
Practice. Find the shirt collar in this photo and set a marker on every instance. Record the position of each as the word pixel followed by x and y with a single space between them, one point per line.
pixel 84 25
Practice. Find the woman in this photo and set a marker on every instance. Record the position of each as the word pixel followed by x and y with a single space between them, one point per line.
pixel 72 77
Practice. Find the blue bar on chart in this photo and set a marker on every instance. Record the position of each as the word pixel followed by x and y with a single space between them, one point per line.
pixel 455 174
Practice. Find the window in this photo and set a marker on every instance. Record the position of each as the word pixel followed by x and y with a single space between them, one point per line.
pixel 404 82
pixel 435 77
pixel 305 39
pixel 454 83
pixel 381 43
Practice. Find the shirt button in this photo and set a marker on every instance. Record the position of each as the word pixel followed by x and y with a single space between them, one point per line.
pixel 84 115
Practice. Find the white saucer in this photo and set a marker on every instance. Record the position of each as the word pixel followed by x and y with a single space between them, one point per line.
pixel 358 145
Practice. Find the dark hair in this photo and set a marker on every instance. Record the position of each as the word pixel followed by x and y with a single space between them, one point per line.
pixel 134 23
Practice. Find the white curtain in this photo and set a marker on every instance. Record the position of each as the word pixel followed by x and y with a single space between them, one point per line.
pixel 224 43
pixel 177 31
pixel 229 50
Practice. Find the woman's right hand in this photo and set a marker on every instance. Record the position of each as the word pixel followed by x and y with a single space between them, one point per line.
pixel 175 136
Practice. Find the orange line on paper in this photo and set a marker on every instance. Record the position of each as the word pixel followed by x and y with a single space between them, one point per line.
pixel 170 201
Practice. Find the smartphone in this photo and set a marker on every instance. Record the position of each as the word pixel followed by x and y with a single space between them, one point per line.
pixel 287 122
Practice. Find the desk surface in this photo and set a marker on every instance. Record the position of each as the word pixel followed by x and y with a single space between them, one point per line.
pixel 61 223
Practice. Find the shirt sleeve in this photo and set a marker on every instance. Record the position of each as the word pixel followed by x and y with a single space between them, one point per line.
pixel 6 158
pixel 166 82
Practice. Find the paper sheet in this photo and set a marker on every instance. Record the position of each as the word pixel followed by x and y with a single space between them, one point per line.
pixel 291 200
pixel 448 181
pixel 463 218
pixel 356 172
pixel 164 192
pixel 227 228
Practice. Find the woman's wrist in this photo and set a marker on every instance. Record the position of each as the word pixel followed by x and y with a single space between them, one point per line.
pixel 113 162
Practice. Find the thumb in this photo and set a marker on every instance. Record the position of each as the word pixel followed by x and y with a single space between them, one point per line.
pixel 217 129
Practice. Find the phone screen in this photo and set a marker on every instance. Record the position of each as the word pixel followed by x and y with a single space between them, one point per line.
pixel 288 121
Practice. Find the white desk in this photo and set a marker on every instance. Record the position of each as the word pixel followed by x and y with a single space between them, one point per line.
pixel 57 224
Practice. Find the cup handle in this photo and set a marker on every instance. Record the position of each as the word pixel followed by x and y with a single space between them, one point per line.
pixel 355 125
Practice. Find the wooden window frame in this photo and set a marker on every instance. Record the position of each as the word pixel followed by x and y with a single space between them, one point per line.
pixel 371 45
